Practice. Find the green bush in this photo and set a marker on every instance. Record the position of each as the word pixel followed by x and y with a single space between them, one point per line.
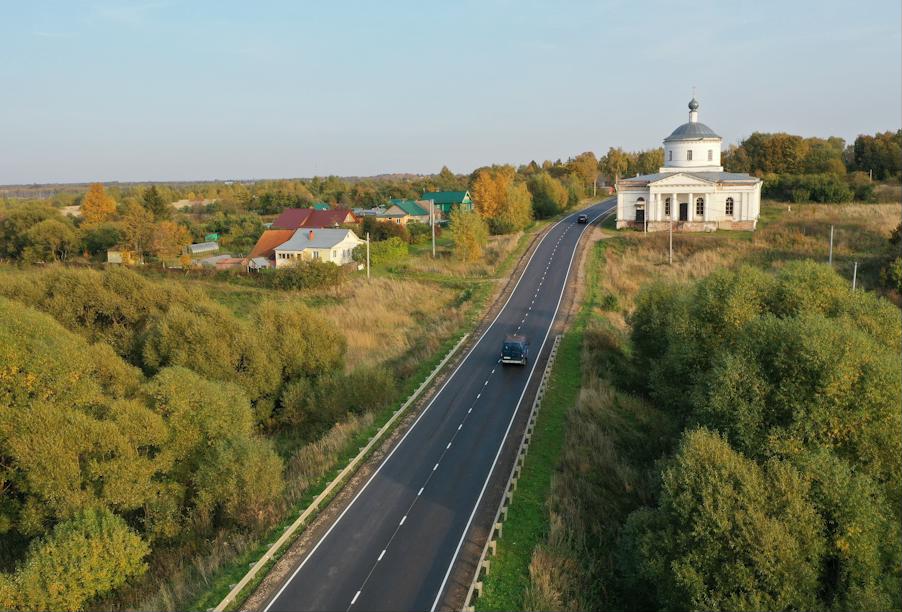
pixel 794 501
pixel 88 555
pixel 384 252
pixel 304 275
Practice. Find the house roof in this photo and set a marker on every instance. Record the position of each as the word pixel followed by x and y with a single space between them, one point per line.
pixel 409 207
pixel 712 177
pixel 257 262
pixel 293 218
pixel 268 241
pixel 446 197
pixel 320 239
pixel 321 206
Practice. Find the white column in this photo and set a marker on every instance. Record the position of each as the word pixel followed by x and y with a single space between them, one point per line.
pixel 707 215
pixel 674 207
pixel 690 208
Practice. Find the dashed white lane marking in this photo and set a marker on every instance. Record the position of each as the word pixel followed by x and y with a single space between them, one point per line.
pixel 478 395
pixel 493 370
pixel 435 467
pixel 355 598
pixel 469 411
pixel 449 446
pixel 459 426
pixel 485 383
pixel 420 491
pixel 404 518
pixel 382 554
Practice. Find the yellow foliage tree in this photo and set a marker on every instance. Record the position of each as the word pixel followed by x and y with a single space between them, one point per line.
pixel 97 205
pixel 490 190
pixel 169 238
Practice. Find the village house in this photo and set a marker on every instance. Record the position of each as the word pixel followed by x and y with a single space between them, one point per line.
pixel 332 245
pixel 691 192
pixel 294 218
pixel 446 201
pixel 402 212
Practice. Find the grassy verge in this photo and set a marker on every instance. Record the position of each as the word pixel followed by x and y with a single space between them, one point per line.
pixel 527 519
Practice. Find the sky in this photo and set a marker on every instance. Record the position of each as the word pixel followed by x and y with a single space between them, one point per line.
pixel 169 90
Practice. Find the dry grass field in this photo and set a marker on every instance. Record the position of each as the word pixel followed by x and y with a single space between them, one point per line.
pixel 799 231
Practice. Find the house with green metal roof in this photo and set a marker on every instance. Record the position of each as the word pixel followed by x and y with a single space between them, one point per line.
pixel 446 201
pixel 404 211
pixel 321 206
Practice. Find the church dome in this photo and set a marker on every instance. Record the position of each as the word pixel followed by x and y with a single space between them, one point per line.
pixel 693 104
pixel 692 130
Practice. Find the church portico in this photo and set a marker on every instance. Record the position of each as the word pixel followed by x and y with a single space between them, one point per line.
pixel 689 192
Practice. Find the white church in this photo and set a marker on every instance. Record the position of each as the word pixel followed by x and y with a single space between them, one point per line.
pixel 691 191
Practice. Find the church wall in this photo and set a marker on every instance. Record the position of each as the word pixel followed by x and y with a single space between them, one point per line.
pixel 699 148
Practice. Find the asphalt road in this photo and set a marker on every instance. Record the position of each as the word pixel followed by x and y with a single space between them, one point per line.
pixel 393 546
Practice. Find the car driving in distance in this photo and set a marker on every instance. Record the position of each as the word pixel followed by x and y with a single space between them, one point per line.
pixel 582 219
pixel 515 349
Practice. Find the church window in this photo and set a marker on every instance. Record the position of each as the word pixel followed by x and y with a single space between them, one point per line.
pixel 700 206
pixel 670 155
pixel 689 155
pixel 729 207
pixel 710 154
pixel 667 207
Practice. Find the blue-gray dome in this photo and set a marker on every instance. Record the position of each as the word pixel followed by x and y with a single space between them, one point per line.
pixel 692 131
pixel 693 104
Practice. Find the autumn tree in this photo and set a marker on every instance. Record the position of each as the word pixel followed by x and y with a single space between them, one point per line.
pixel 585 166
pixel 505 205
pixel 137 228
pixel 614 164
pixel 169 239
pixel 97 206
pixel 469 232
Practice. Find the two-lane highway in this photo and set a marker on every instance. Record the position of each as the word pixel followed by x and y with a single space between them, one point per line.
pixel 393 546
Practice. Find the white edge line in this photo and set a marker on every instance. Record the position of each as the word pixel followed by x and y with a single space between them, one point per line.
pixel 425 410
pixel 463 536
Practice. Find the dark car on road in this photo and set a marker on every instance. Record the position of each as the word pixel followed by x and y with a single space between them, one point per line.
pixel 582 219
pixel 515 349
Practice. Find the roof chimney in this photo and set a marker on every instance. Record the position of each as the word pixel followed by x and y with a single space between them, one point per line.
pixel 310 235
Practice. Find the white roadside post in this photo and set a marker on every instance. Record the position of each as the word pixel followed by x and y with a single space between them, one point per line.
pixel 854 276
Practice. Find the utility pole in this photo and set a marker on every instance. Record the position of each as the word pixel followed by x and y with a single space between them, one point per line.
pixel 830 258
pixel 854 276
pixel 432 223
pixel 367 255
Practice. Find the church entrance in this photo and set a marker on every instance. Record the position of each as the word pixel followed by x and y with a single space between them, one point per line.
pixel 684 211
pixel 640 215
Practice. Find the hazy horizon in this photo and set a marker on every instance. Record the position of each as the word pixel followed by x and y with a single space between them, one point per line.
pixel 161 91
